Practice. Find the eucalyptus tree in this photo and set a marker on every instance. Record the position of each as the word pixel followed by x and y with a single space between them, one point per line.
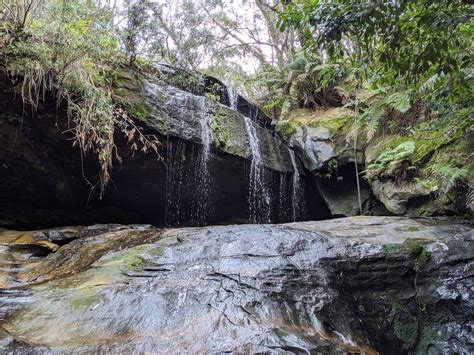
pixel 232 39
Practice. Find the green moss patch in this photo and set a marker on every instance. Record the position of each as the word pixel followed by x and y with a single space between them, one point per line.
pixel 336 120
pixel 128 259
pixel 420 254
pixel 83 301
pixel 228 131
pixel 127 88
pixel 436 155
pixel 440 139
pixel 405 324
pixel 391 249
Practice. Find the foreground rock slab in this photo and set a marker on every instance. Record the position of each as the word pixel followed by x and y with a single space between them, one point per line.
pixel 360 284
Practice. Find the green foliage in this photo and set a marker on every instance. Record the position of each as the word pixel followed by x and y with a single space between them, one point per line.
pixel 414 246
pixel 421 253
pixel 470 199
pixel 380 103
pixel 412 56
pixel 391 249
pixel 62 52
pixel 67 49
pixel 421 260
pixel 138 28
pixel 332 168
pixel 408 38
pixel 399 153
pixel 306 82
pixel 446 175
pixel 429 137
pixel 213 92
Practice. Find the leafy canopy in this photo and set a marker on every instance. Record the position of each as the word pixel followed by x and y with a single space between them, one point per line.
pixel 405 38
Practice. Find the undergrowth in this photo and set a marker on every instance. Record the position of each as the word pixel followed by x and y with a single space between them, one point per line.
pixel 60 49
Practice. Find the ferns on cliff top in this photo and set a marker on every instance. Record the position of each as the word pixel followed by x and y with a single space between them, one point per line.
pixel 305 82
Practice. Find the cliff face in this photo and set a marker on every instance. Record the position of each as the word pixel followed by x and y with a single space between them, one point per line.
pixel 361 285
pixel 215 145
pixel 179 112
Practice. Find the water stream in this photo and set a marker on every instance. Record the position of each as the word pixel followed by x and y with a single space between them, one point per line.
pixel 283 198
pixel 259 192
pixel 297 198
pixel 175 178
pixel 189 181
pixel 233 97
pixel 200 210
pixel 188 178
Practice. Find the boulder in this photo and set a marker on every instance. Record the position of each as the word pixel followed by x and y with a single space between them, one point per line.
pixel 321 136
pixel 396 197
pixel 427 171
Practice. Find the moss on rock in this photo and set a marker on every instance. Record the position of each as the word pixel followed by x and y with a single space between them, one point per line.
pixel 83 299
pixel 435 157
pixel 127 88
pixel 337 120
pixel 228 131
pixel 439 138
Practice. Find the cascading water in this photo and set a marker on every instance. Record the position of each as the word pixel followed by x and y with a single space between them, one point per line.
pixel 283 198
pixel 189 195
pixel 259 192
pixel 298 201
pixel 200 210
pixel 188 179
pixel 233 97
pixel 175 175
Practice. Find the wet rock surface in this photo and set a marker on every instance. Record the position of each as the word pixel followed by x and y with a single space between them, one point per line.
pixel 361 284
pixel 169 110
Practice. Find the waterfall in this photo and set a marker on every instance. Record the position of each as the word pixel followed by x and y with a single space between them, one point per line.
pixel 259 192
pixel 297 198
pixel 283 198
pixel 188 178
pixel 200 209
pixel 206 135
pixel 175 176
pixel 233 97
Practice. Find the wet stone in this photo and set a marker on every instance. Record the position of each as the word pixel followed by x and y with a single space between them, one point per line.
pixel 359 285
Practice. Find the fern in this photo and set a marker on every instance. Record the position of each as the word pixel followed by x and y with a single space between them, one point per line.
pixel 429 85
pixel 447 175
pixel 378 105
pixel 399 101
pixel 304 82
pixel 399 153
pixel 470 199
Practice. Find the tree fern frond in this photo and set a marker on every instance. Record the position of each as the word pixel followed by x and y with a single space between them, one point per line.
pixel 470 199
